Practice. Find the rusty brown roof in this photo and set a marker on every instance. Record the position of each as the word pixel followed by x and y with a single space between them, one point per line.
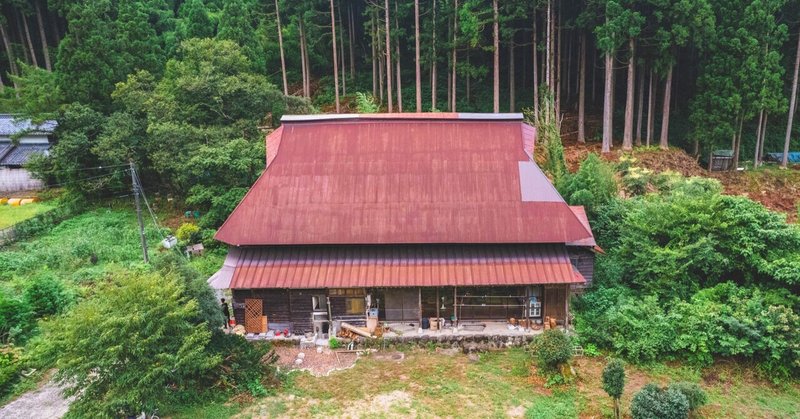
pixel 418 178
pixel 399 266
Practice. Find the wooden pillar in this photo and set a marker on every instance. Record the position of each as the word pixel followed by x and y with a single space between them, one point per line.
pixel 455 306
pixel 437 303
pixel 566 307
pixel 419 304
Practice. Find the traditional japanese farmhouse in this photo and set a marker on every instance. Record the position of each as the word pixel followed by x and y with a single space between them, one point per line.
pixel 413 216
pixel 20 139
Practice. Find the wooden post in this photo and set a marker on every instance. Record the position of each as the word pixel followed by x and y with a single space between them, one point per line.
pixel 455 305
pixel 437 304
pixel 419 306
pixel 566 308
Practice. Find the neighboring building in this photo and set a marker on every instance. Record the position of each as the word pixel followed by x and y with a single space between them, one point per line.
pixel 19 141
pixel 415 215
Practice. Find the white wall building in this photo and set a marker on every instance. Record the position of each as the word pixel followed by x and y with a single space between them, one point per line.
pixel 20 139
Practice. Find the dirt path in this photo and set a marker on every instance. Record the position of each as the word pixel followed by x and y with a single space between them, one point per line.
pixel 45 402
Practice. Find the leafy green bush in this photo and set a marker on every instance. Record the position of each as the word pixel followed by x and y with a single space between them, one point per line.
pixel 653 402
pixel 551 349
pixel 614 382
pixel 365 103
pixel 693 393
pixel 592 186
pixel 145 319
pixel 16 319
pixel 9 368
pixel 46 295
pixel 188 232
pixel 334 343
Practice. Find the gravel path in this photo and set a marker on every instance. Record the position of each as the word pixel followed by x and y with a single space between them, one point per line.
pixel 43 403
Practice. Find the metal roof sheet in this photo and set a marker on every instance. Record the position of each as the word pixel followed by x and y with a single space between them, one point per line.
pixel 10 125
pixel 20 154
pixel 426 265
pixel 400 179
pixel 580 212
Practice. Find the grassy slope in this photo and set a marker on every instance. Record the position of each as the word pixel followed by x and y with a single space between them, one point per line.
pixel 11 215
pixel 111 235
pixel 500 384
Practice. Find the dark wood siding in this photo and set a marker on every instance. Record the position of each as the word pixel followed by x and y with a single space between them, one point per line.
pixel 280 306
pixel 555 298
pixel 583 260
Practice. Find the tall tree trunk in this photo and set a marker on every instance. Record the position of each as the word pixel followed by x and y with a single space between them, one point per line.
pixel 352 39
pixel 557 63
pixel 594 75
pixel 374 35
pixel 335 58
pixel 18 26
pixel 758 138
pixel 342 50
pixel 608 113
pixel 303 67
pixel 664 141
pixel 511 87
pixel 417 75
pixel 570 52
pixel 639 110
pixel 737 144
pixel 496 58
pixel 12 63
pixel 454 77
pixel 54 24
pixel 627 136
pixel 792 108
pixel 43 38
pixel 280 45
pixel 651 104
pixel 433 60
pixel 388 57
pixel 582 92
pixel 381 62
pixel 535 70
pixel 29 40
pixel 548 47
pixel 397 62
pixel 763 137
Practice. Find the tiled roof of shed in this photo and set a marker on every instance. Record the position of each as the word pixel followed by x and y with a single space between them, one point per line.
pixel 20 154
pixel 9 126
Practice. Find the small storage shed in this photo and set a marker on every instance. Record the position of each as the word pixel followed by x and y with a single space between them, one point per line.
pixel 21 139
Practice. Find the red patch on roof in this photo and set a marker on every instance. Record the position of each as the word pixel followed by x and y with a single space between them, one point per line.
pixel 397 179
pixel 400 266
pixel 580 212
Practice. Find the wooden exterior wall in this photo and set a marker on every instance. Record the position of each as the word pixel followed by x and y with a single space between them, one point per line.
pixel 582 259
pixel 292 307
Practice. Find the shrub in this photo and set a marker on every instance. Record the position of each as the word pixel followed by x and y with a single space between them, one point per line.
pixel 15 318
pixel 653 402
pixel 46 295
pixel 592 186
pixel 145 319
pixel 334 343
pixel 614 382
pixel 9 368
pixel 365 103
pixel 188 232
pixel 551 349
pixel 694 394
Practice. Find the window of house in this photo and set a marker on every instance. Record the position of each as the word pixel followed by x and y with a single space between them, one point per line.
pixel 319 302
pixel 355 305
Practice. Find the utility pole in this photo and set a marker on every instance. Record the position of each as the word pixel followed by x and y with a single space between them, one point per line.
pixel 136 192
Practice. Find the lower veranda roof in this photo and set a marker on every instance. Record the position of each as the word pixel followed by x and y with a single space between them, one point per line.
pixel 395 266
pixel 402 178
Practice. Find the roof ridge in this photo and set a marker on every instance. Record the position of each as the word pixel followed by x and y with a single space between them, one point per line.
pixel 432 116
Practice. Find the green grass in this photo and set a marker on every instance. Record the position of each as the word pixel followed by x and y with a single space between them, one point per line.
pixel 11 215
pixel 500 384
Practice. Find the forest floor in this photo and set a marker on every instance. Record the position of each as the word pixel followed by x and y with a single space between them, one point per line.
pixel 778 190
pixel 427 383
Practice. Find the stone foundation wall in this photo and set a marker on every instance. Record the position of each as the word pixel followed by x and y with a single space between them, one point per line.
pixel 466 343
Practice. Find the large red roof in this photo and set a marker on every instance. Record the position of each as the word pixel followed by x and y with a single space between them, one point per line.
pixel 421 178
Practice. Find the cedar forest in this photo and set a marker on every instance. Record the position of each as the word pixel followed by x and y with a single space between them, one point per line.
pixel 187 89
